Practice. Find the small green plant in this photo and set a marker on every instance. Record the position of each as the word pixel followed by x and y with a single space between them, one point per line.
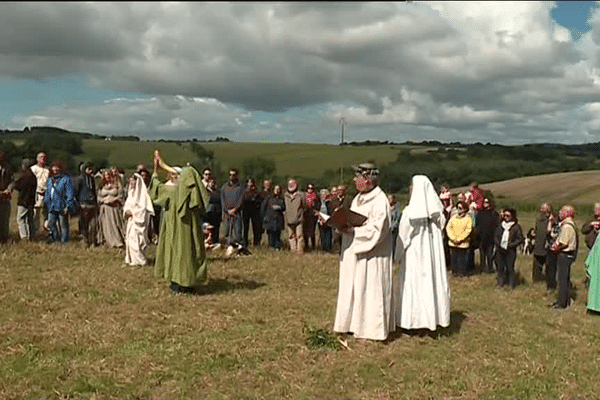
pixel 318 338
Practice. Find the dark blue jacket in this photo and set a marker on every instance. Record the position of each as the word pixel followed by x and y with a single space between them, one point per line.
pixel 85 189
pixel 272 210
pixel 62 196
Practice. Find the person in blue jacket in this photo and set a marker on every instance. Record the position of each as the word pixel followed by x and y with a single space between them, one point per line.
pixel 59 200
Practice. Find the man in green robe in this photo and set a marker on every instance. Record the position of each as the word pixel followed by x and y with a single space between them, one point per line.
pixel 593 270
pixel 180 255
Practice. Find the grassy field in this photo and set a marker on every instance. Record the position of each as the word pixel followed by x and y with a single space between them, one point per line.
pixel 78 323
pixel 582 187
pixel 291 159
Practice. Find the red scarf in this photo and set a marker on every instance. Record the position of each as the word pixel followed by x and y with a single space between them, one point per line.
pixel 311 199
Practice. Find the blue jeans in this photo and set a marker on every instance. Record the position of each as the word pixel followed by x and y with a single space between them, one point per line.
pixel 233 229
pixel 54 220
pixel 326 236
pixel 274 239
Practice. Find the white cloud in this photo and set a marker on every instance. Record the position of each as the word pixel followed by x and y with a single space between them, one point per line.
pixel 150 118
pixel 479 70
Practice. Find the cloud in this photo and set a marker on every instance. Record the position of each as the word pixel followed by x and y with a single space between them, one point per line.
pixel 179 116
pixel 496 70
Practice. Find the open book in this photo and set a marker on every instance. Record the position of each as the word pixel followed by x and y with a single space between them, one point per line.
pixel 343 217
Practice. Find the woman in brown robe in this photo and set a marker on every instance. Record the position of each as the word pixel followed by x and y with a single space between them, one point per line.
pixel 110 218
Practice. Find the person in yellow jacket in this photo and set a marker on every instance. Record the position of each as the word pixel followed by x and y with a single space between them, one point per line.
pixel 459 230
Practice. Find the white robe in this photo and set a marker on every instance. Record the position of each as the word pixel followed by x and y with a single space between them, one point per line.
pixel 136 236
pixel 365 303
pixel 423 299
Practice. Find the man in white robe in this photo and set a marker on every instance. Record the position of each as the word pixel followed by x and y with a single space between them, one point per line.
pixel 365 304
pixel 137 210
pixel 423 299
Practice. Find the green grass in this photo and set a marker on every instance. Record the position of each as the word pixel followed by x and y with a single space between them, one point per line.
pixel 78 323
pixel 291 159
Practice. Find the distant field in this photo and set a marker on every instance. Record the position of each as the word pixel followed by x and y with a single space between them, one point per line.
pixel 291 159
pixel 311 160
pixel 307 160
pixel 579 188
pixel 129 154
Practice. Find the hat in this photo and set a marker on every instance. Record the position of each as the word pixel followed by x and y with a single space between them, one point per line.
pixel 366 169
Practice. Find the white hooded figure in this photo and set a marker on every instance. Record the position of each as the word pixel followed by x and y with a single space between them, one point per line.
pixel 423 299
pixel 137 211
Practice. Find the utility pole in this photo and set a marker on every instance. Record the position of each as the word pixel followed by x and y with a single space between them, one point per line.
pixel 342 123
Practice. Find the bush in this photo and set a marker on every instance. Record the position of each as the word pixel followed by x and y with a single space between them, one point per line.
pixel 258 168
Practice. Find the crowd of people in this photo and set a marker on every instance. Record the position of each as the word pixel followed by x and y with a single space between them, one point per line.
pixel 271 212
pixel 49 196
pixel 474 224
pixel 186 214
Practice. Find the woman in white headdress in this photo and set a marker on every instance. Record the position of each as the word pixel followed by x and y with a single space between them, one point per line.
pixel 424 295
pixel 137 211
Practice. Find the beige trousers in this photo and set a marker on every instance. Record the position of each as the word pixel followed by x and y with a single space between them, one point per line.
pixel 296 237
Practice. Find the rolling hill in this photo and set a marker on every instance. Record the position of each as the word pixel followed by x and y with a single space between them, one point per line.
pixel 581 187
pixel 291 159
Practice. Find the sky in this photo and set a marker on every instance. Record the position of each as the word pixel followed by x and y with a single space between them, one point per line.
pixel 498 72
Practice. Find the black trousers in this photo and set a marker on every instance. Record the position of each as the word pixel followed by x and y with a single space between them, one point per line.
pixel 551 271
pixel 486 257
pixel 505 260
pixel 88 222
pixel 563 266
pixel 537 274
pixel 252 215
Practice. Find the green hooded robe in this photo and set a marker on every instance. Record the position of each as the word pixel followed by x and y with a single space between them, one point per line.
pixel 180 255
pixel 593 268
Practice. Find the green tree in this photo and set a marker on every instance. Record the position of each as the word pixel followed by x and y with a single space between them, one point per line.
pixel 258 168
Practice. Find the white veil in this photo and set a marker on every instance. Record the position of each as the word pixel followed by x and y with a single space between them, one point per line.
pixel 138 201
pixel 424 204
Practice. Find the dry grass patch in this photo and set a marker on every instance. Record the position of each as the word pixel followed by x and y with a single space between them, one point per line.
pixel 580 187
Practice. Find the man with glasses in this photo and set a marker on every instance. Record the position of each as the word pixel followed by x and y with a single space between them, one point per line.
pixel 206 175
pixel 565 247
pixel 232 195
